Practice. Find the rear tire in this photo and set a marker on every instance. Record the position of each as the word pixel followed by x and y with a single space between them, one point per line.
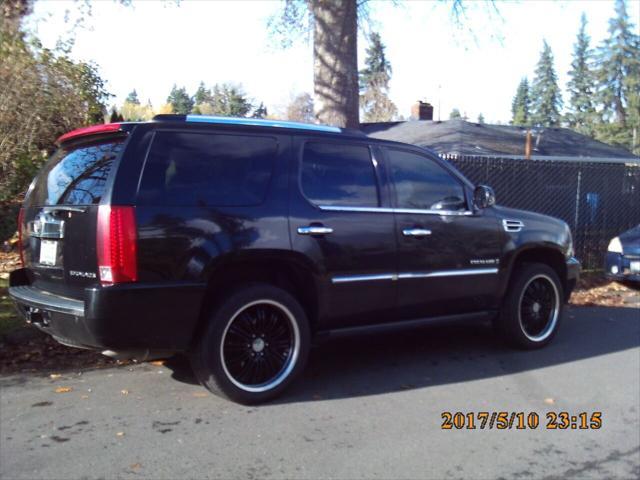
pixel 255 344
pixel 532 309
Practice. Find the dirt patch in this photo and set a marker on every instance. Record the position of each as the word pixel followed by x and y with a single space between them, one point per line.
pixel 45 355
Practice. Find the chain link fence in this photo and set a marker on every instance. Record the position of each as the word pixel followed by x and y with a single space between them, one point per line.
pixel 598 200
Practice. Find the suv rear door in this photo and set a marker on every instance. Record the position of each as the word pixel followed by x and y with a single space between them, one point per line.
pixel 448 255
pixel 336 222
pixel 60 212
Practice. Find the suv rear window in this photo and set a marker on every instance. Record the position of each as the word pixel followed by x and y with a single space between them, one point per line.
pixel 204 169
pixel 76 175
pixel 339 175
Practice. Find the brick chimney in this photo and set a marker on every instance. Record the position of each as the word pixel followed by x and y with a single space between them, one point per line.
pixel 421 111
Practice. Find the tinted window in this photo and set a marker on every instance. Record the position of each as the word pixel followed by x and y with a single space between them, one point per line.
pixel 207 169
pixel 76 176
pixel 421 183
pixel 339 174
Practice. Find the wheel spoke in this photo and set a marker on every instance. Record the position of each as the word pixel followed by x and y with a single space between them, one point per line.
pixel 257 345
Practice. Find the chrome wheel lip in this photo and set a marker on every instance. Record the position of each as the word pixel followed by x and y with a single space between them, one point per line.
pixel 552 322
pixel 291 361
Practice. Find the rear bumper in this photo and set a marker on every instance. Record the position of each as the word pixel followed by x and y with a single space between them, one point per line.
pixel 120 317
pixel 573 275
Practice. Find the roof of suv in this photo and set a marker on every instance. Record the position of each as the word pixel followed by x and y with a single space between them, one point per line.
pixel 257 122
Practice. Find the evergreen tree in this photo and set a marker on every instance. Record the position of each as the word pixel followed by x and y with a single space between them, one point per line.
pixel 480 118
pixel 180 101
pixel 230 100
pixel 455 113
pixel 374 83
pixel 115 117
pixel 133 98
pixel 377 66
pixel 618 77
pixel 545 93
pixel 581 86
pixel 521 105
pixel 202 95
pixel 260 112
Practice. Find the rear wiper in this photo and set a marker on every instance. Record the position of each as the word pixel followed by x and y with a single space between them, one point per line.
pixel 65 208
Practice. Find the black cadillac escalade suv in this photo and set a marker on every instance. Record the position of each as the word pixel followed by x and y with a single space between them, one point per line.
pixel 238 241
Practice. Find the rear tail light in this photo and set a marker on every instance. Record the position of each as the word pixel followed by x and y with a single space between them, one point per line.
pixel 20 240
pixel 117 244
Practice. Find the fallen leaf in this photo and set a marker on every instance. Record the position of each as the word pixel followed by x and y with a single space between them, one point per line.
pixel 84 397
pixel 120 434
pixel 124 392
pixel 200 394
pixel 63 389
pixel 549 401
pixel 135 466
pixel 53 376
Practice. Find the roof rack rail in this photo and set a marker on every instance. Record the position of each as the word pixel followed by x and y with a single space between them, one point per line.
pixel 257 122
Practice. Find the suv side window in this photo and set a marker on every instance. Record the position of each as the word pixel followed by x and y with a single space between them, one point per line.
pixel 339 174
pixel 207 169
pixel 420 183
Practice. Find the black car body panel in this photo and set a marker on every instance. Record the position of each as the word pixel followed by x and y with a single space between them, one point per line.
pixel 366 271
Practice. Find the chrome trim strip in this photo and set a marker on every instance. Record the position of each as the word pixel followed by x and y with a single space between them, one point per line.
pixel 411 275
pixel 337 208
pixel 362 278
pixel 449 273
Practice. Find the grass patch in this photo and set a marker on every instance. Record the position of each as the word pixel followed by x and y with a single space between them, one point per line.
pixel 9 319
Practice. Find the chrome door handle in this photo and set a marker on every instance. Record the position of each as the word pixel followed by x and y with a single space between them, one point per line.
pixel 416 232
pixel 314 230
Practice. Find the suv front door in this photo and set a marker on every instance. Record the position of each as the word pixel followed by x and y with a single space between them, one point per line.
pixel 448 255
pixel 337 223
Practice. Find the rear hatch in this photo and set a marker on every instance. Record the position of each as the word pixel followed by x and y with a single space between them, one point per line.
pixel 60 213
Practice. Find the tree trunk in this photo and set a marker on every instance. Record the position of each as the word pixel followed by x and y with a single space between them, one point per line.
pixel 335 70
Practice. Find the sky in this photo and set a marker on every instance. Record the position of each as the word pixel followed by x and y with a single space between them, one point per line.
pixel 476 67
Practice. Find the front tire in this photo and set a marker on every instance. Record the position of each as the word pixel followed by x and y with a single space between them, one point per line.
pixel 532 309
pixel 255 344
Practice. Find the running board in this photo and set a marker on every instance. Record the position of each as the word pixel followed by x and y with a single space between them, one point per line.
pixel 401 325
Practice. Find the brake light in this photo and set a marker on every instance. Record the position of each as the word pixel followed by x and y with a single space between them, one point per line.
pixel 20 244
pixel 92 130
pixel 117 244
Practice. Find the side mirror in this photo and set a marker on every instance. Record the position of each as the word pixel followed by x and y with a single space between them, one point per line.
pixel 484 197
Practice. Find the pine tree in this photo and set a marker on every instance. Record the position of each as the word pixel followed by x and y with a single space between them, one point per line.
pixel 260 112
pixel 133 98
pixel 202 95
pixel 546 98
pixel 114 118
pixel 581 85
pixel 230 100
pixel 618 79
pixel 521 105
pixel 180 100
pixel 455 113
pixel 481 118
pixel 374 84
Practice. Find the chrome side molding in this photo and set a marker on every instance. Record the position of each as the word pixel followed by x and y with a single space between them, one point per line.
pixel 339 208
pixel 412 275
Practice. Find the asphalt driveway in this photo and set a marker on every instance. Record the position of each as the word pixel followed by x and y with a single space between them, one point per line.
pixel 367 407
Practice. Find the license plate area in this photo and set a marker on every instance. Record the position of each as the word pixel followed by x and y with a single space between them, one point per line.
pixel 48 252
